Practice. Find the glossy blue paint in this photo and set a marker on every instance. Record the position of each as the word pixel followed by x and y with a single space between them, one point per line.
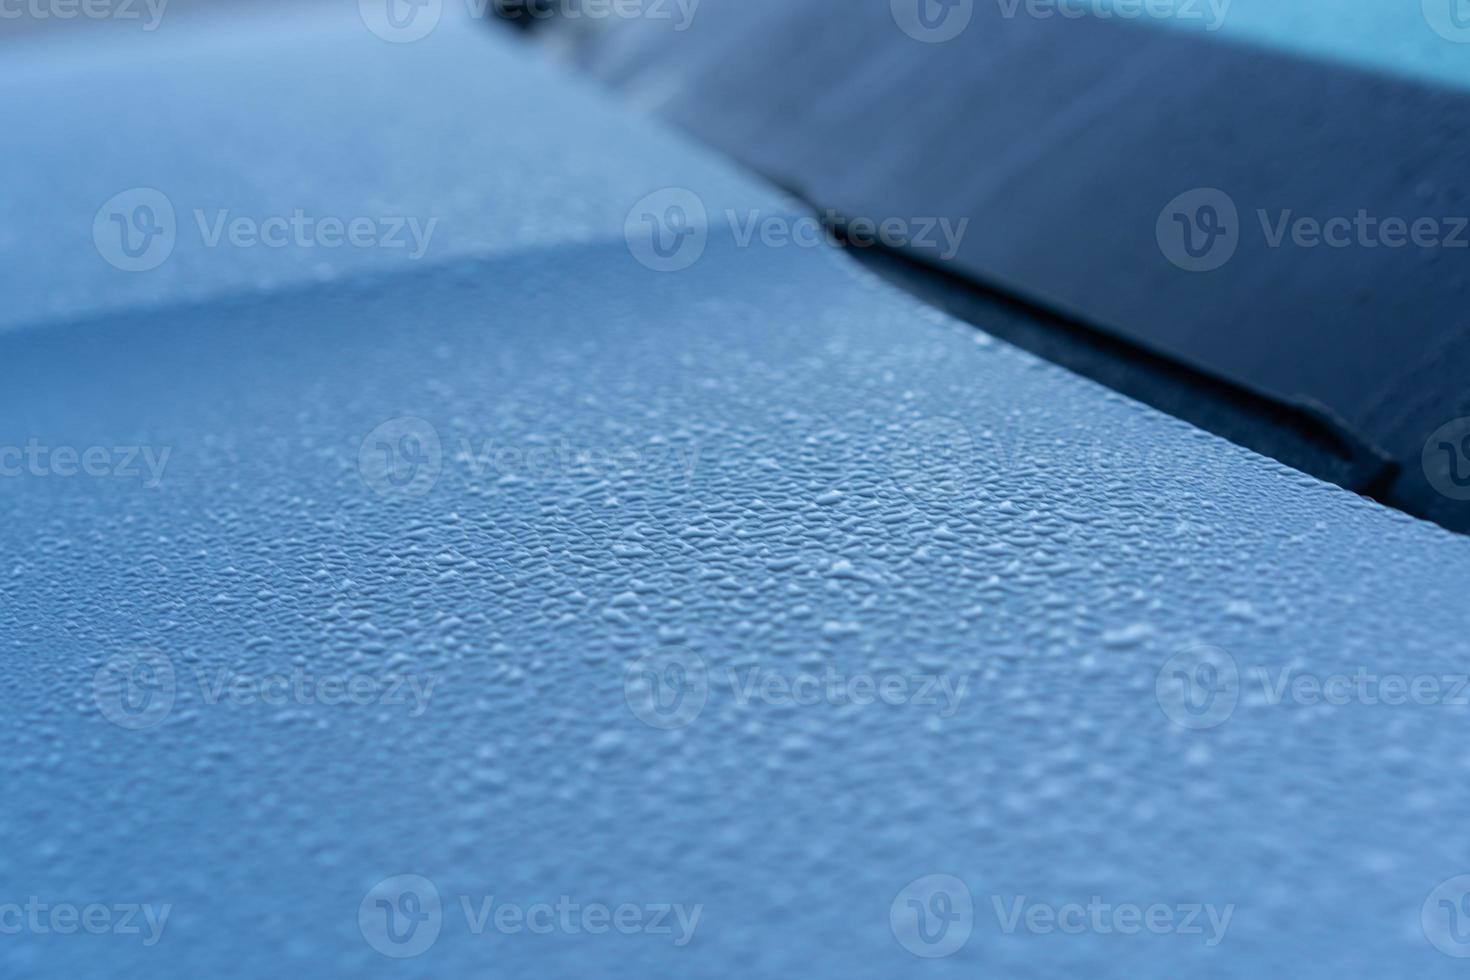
pixel 765 462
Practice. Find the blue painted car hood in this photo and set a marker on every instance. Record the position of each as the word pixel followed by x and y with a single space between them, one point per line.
pixel 516 485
